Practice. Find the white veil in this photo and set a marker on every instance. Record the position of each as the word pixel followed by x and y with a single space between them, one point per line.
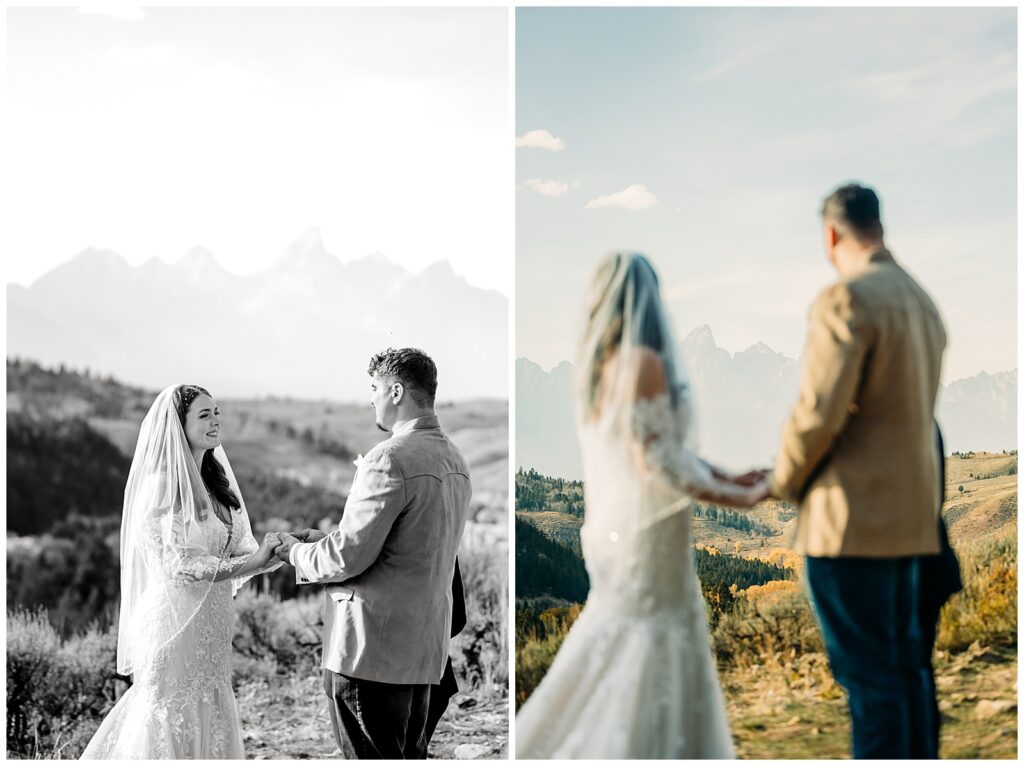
pixel 625 321
pixel 170 559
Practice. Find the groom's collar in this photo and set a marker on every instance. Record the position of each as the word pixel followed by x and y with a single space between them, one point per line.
pixel 417 424
pixel 881 255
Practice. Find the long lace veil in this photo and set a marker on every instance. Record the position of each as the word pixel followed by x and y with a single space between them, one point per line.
pixel 168 558
pixel 625 318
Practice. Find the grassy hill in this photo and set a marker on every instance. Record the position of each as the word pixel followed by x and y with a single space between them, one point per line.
pixel 987 504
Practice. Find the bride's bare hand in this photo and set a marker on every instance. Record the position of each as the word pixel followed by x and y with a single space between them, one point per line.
pixel 266 550
pixel 756 492
pixel 751 478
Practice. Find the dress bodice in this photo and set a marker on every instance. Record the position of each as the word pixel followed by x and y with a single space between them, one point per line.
pixel 636 534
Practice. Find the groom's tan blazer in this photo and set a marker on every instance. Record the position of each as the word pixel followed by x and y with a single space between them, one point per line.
pixel 392 558
pixel 858 451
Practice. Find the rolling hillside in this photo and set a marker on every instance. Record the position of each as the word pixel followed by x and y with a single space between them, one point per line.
pixel 986 507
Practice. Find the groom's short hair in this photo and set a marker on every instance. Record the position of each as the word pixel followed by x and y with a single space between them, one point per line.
pixel 854 209
pixel 412 368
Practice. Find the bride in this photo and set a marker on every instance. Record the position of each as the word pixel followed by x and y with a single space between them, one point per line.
pixel 186 549
pixel 635 677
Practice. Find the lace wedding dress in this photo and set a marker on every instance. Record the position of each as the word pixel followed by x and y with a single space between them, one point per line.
pixel 635 677
pixel 176 611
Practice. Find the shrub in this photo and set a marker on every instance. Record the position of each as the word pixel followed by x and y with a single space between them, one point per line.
pixel 480 651
pixel 539 635
pixel 538 624
pixel 771 626
pixel 274 637
pixel 56 689
pixel 986 609
pixel 532 661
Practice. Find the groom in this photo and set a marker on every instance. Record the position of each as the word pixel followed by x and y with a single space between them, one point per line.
pixel 858 454
pixel 390 565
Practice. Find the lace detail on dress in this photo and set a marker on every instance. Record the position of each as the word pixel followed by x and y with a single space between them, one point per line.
pixel 658 428
pixel 168 543
pixel 181 704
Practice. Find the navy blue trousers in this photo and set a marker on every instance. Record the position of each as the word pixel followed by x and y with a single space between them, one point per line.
pixel 879 647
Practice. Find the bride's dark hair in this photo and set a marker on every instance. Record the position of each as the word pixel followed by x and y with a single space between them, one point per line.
pixel 212 472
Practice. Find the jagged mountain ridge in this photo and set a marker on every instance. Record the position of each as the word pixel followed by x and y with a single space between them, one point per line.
pixel 305 326
pixel 743 400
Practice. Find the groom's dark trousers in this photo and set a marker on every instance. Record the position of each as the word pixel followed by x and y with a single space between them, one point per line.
pixel 870 617
pixel 377 720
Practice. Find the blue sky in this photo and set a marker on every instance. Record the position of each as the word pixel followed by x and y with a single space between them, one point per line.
pixel 707 138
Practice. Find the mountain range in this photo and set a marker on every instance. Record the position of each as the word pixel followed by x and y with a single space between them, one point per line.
pixel 743 400
pixel 304 327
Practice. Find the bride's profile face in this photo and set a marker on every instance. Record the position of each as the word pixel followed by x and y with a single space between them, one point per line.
pixel 202 423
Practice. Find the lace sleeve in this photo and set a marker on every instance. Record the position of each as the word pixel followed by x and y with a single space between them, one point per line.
pixel 662 444
pixel 245 545
pixel 183 552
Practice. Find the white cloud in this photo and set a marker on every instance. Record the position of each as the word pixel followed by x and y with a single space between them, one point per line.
pixel 113 10
pixel 540 139
pixel 548 187
pixel 146 57
pixel 633 197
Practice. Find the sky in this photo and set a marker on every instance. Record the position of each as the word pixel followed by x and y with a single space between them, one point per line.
pixel 708 138
pixel 154 130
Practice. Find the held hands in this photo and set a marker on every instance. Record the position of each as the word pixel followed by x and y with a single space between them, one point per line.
pixel 309 535
pixel 756 492
pixel 284 546
pixel 265 552
pixel 750 478
pixel 754 486
pixel 288 539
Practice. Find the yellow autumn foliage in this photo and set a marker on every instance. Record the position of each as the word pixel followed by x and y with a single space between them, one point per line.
pixel 773 589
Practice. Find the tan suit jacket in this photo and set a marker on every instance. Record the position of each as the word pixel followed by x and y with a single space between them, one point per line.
pixel 392 559
pixel 858 451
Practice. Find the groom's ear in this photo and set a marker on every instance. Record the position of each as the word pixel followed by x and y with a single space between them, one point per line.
pixel 831 235
pixel 397 392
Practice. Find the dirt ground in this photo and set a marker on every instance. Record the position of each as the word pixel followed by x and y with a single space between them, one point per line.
pixel 287 718
pixel 796 711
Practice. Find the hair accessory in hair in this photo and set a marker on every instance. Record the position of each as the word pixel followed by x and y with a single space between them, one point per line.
pixel 188 395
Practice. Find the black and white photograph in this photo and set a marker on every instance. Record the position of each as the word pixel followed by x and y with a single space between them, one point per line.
pixel 259 267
